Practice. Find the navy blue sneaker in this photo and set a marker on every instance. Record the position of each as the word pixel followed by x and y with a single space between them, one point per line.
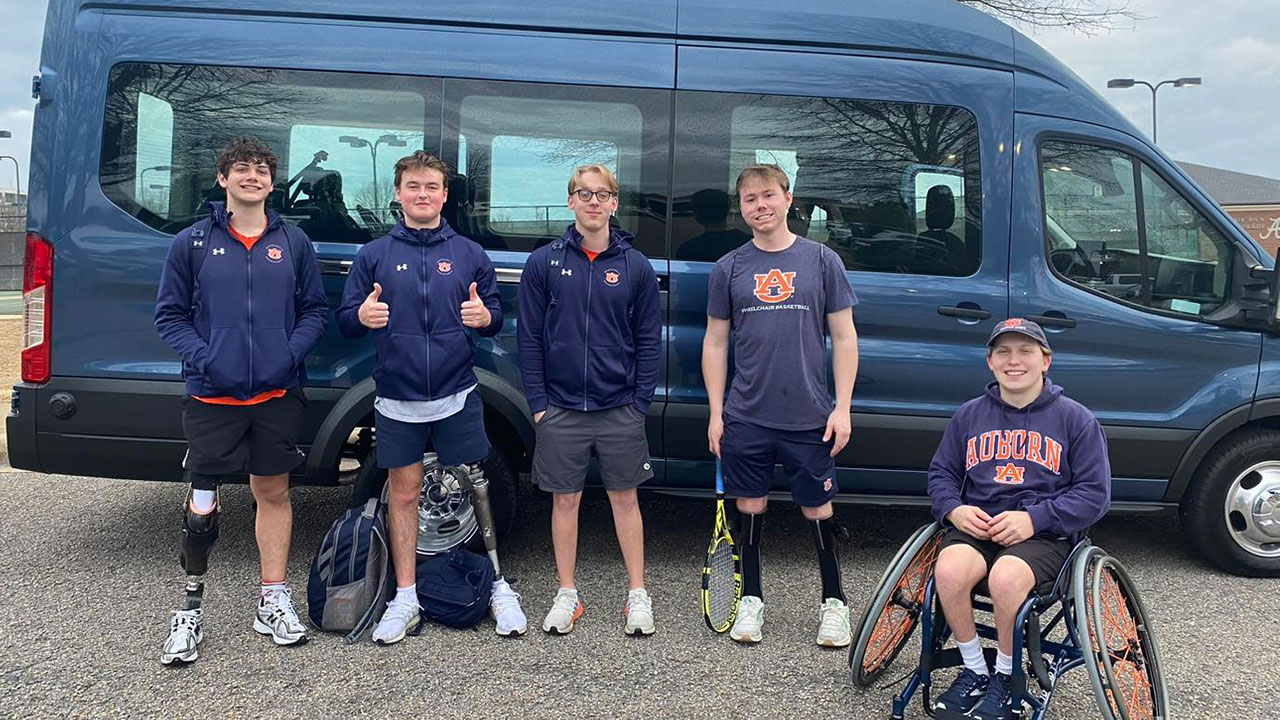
pixel 964 693
pixel 997 704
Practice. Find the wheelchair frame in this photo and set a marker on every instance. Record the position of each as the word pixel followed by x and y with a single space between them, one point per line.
pixel 1125 678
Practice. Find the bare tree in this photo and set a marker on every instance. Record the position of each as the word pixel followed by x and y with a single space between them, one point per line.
pixel 1086 16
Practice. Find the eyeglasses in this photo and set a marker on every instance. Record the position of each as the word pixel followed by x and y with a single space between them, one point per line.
pixel 603 196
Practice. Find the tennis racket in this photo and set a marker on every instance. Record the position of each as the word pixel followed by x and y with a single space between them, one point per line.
pixel 722 573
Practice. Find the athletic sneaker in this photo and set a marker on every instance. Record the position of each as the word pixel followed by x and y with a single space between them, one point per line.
pixel 833 624
pixel 748 626
pixel 398 620
pixel 997 704
pixel 639 613
pixel 186 631
pixel 277 618
pixel 965 692
pixel 504 605
pixel 564 613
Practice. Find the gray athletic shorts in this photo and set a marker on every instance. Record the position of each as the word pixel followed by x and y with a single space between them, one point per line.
pixel 566 439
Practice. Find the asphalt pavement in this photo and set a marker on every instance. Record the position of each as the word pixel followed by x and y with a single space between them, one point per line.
pixel 89 573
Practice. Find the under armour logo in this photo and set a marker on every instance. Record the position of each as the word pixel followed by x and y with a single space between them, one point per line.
pixel 555 263
pixel 566 271
pixel 219 251
pixel 197 243
pixel 402 267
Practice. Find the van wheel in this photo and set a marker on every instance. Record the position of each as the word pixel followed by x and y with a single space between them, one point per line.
pixel 446 516
pixel 1233 505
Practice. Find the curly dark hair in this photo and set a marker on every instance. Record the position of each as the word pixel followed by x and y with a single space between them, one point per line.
pixel 246 148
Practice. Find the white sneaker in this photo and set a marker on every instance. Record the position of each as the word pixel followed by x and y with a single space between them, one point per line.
pixel 833 625
pixel 277 618
pixel 565 611
pixel 186 632
pixel 398 620
pixel 639 613
pixel 748 626
pixel 504 605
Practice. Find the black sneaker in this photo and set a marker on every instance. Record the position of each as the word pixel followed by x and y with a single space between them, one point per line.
pixel 997 704
pixel 965 692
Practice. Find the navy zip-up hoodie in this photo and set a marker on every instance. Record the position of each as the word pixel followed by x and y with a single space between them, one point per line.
pixel 596 346
pixel 1049 459
pixel 424 352
pixel 245 324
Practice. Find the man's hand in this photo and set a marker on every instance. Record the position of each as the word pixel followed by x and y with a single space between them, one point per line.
pixel 537 417
pixel 715 431
pixel 474 313
pixel 374 313
pixel 1011 527
pixel 839 427
pixel 971 521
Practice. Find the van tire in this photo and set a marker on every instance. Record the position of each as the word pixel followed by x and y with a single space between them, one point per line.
pixel 502 496
pixel 1243 468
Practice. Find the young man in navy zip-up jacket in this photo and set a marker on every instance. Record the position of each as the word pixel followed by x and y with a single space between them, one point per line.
pixel 1020 474
pixel 421 289
pixel 241 301
pixel 590 336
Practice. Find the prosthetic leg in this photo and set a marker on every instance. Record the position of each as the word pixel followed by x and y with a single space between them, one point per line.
pixel 199 532
pixel 504 603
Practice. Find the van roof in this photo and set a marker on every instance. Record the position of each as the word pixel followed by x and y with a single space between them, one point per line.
pixel 930 30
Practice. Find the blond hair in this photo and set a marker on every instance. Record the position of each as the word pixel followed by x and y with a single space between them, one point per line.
pixel 606 173
pixel 766 172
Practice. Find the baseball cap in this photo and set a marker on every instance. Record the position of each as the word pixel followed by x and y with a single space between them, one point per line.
pixel 1021 326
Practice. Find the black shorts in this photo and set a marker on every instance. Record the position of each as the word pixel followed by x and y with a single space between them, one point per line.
pixel 1045 554
pixel 232 440
pixel 749 452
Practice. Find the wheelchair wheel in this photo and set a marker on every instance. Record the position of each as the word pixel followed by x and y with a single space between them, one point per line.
pixel 894 610
pixel 1121 657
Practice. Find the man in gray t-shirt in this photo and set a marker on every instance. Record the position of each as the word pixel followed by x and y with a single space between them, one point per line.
pixel 779 296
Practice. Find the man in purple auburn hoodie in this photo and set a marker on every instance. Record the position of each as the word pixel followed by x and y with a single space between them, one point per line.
pixel 1021 473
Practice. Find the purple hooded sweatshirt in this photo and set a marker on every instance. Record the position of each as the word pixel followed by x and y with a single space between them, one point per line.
pixel 1049 459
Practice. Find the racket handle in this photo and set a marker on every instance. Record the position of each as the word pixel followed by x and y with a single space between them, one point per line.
pixel 719 478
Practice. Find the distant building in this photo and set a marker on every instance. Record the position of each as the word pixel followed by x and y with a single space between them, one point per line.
pixel 1253 200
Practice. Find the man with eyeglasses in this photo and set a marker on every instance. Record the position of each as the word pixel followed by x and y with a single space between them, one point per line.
pixel 589 338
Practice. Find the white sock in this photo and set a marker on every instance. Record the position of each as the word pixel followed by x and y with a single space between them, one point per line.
pixel 273 587
pixel 406 595
pixel 203 501
pixel 972 653
pixel 1004 664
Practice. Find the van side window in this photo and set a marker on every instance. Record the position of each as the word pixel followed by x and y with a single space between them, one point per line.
pixel 516 145
pixel 891 187
pixel 1116 228
pixel 337 135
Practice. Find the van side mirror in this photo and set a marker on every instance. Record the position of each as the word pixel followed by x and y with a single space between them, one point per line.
pixel 1254 301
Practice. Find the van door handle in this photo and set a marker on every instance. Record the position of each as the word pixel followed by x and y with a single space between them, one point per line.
pixel 335 267
pixel 1052 321
pixel 964 312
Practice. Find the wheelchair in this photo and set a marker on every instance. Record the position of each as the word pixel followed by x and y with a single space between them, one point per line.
pixel 1095 619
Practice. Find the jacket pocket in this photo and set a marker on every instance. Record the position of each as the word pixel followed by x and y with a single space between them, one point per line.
pixel 226 370
pixel 562 367
pixel 403 362
pixel 273 366
pixel 609 371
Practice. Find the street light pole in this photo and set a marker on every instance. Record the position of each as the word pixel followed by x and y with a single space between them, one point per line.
pixel 17 173
pixel 358 142
pixel 1122 83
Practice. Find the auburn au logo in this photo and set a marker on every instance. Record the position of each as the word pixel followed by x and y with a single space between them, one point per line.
pixel 612 277
pixel 275 253
pixel 444 267
pixel 775 286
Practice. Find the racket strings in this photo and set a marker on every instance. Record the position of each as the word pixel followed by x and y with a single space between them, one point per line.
pixel 721 585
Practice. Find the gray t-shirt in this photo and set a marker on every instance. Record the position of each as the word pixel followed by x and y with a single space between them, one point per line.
pixel 777 303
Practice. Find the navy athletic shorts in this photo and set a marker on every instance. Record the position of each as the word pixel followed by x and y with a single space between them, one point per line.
pixel 456 439
pixel 748 453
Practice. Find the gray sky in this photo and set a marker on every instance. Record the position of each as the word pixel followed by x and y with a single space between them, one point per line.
pixel 1229 122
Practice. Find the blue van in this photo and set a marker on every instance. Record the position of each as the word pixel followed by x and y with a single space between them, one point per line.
pixel 961 173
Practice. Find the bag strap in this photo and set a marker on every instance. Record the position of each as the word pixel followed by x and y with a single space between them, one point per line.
pixel 200 246
pixel 372 507
pixel 555 267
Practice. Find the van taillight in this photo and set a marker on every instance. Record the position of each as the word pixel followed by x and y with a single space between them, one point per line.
pixel 37 309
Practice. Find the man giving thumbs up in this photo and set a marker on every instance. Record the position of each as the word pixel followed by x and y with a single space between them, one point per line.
pixel 439 283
